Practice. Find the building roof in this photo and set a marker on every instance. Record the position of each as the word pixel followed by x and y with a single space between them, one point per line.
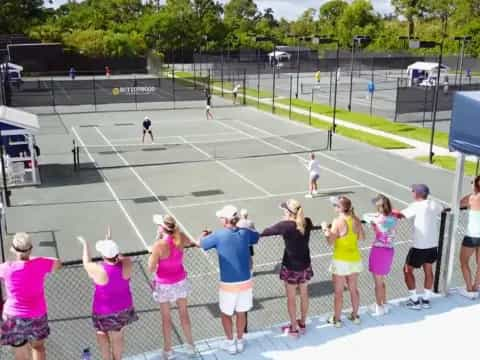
pixel 18 119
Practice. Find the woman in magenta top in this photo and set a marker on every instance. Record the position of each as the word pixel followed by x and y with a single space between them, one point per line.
pixel 112 307
pixel 170 283
pixel 24 321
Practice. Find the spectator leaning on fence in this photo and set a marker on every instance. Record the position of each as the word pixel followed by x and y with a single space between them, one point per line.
pixel 24 321
pixel 344 233
pixel 424 253
pixel 112 306
pixel 296 268
pixel 170 284
pixel 381 253
pixel 236 287
pixel 471 241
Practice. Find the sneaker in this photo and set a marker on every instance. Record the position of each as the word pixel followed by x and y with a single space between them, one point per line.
pixel 168 355
pixel 302 327
pixel 336 323
pixel 413 305
pixel 229 346
pixel 314 192
pixel 387 308
pixel 190 350
pixel 287 329
pixel 472 295
pixel 377 310
pixel 354 319
pixel 308 196
pixel 240 345
pixel 426 304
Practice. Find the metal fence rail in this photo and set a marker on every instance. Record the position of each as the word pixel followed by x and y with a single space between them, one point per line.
pixel 69 295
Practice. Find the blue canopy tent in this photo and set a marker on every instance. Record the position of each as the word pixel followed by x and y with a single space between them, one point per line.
pixel 17 131
pixel 465 140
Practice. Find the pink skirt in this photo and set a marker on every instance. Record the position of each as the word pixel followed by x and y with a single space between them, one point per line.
pixel 380 261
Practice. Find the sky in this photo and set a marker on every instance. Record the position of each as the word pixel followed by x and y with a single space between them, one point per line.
pixel 291 9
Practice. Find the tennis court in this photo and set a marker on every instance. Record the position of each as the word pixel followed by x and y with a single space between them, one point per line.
pixel 244 157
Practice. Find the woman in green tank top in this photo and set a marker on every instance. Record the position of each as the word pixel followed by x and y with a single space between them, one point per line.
pixel 345 232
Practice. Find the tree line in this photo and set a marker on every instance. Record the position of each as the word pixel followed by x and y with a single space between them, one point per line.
pixel 134 27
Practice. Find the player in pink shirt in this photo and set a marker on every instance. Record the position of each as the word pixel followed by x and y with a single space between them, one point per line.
pixel 24 319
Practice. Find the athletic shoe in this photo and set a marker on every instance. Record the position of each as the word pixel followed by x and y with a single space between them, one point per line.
pixel 308 196
pixel 302 327
pixel 190 350
pixel 426 304
pixel 377 310
pixel 387 308
pixel 240 345
pixel 229 346
pixel 472 295
pixel 287 329
pixel 314 192
pixel 354 319
pixel 413 305
pixel 168 355
pixel 336 323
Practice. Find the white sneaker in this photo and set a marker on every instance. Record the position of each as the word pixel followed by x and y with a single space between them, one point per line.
pixel 168 355
pixel 190 350
pixel 387 308
pixel 229 346
pixel 240 345
pixel 308 196
pixel 468 294
pixel 377 310
pixel 314 192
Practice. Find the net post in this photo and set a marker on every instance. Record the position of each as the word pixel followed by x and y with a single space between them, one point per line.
pixel 441 237
pixel 244 87
pixel 74 156
pixel 290 102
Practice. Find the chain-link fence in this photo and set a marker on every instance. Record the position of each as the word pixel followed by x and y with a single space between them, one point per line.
pixel 69 295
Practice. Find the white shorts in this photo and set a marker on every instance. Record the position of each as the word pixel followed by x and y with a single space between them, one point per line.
pixel 314 177
pixel 231 302
pixel 345 268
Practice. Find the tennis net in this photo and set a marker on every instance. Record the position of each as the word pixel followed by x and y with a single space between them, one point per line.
pixel 179 150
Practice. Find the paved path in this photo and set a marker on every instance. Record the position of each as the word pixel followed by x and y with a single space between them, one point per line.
pixel 436 333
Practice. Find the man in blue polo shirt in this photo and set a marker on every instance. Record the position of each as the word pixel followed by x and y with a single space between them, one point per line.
pixel 236 287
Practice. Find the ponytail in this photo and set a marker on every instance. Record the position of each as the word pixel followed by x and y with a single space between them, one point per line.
pixel 300 220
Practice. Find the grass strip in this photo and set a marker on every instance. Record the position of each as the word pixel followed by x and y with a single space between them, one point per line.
pixel 450 163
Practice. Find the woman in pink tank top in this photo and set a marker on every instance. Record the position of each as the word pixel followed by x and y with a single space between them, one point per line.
pixel 112 307
pixel 170 283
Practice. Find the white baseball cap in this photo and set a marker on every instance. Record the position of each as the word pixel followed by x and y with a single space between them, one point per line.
pixel 146 118
pixel 107 248
pixel 228 212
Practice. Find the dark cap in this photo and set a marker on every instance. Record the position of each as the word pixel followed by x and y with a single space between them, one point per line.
pixel 421 190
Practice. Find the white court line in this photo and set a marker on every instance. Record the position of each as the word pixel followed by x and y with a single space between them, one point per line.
pixel 149 189
pixel 318 256
pixel 114 194
pixel 304 160
pixel 262 197
pixel 338 160
pixel 225 166
pixel 176 136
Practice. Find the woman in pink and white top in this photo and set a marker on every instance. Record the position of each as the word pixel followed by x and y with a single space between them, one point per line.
pixel 381 254
pixel 24 323
pixel 112 307
pixel 170 283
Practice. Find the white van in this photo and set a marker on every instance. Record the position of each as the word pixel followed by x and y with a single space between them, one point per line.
pixel 14 73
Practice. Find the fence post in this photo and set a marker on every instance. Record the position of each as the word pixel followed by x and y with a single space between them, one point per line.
pixel 290 106
pixel 52 92
pixel 135 91
pixel 396 101
pixel 330 91
pixel 221 72
pixel 244 86
pixel 94 95
pixel 173 83
pixel 441 237
pixel 258 85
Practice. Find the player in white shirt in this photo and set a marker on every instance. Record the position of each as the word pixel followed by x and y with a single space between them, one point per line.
pixel 314 173
pixel 235 93
pixel 424 252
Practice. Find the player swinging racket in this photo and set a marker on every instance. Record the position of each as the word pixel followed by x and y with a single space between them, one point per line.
pixel 147 128
pixel 208 100
pixel 314 173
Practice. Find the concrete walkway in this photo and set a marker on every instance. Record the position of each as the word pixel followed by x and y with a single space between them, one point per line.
pixel 440 332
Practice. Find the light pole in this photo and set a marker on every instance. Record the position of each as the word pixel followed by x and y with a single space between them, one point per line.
pixel 265 38
pixel 298 39
pixel 327 40
pixel 463 40
pixel 356 39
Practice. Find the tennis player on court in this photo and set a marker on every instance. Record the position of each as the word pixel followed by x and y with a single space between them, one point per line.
pixel 208 105
pixel 147 128
pixel 314 173
pixel 235 93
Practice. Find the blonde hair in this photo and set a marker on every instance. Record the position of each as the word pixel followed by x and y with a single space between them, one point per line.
pixel 296 210
pixel 170 227
pixel 22 245
pixel 347 208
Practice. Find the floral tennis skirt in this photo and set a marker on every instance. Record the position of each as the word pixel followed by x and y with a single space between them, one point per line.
pixel 296 277
pixel 163 293
pixel 114 322
pixel 17 331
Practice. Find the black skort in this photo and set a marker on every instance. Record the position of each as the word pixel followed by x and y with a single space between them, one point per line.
pixel 418 257
pixel 471 242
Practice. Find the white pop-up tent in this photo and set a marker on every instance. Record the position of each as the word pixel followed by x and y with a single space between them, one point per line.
pixel 426 72
pixel 464 138
pixel 279 56
pixel 17 132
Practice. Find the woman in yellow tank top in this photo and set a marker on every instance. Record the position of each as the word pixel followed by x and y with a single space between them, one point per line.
pixel 343 235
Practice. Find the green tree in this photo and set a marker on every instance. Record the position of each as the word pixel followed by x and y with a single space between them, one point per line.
pixel 358 18
pixel 17 16
pixel 329 14
pixel 411 10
